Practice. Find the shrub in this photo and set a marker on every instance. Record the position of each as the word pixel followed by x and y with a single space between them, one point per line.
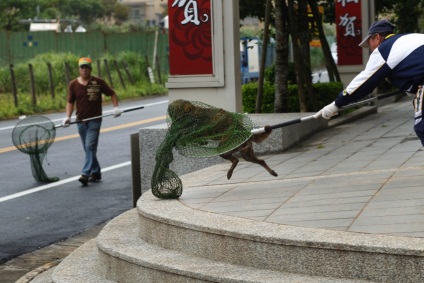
pixel 249 93
pixel 324 93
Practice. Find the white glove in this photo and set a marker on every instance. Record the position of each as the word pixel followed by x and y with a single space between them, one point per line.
pixel 117 112
pixel 328 111
pixel 66 122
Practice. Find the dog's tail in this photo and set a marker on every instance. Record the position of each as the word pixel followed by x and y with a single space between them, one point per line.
pixel 258 138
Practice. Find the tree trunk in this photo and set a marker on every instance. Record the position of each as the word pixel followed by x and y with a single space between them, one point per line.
pixel 305 50
pixel 281 58
pixel 263 57
pixel 298 59
pixel 333 72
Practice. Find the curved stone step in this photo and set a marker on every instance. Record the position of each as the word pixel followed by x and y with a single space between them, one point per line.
pixel 282 248
pixel 81 266
pixel 127 258
pixel 45 277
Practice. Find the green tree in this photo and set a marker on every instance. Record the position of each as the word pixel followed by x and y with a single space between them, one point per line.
pixel 406 13
pixel 121 13
pixel 87 10
pixel 252 8
pixel 14 10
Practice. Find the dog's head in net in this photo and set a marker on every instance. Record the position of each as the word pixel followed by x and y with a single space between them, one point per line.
pixel 204 130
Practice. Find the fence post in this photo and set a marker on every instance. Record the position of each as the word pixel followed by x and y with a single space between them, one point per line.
pixel 14 90
pixel 99 71
pixel 149 72
pixel 67 73
pixel 108 73
pixel 51 84
pixel 128 72
pixel 32 86
pixel 158 69
pixel 119 74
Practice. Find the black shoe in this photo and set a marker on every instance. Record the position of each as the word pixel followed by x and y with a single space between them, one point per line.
pixel 95 178
pixel 84 180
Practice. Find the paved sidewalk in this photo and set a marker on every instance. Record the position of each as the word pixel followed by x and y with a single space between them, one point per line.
pixel 28 266
pixel 364 176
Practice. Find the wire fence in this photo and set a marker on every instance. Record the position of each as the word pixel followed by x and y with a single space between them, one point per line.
pixel 17 47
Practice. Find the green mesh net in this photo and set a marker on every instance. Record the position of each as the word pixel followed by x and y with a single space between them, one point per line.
pixel 196 130
pixel 33 136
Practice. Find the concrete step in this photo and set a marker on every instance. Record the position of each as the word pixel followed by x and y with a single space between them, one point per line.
pixel 124 257
pixel 81 266
pixel 127 258
pixel 267 246
pixel 166 241
pixel 45 277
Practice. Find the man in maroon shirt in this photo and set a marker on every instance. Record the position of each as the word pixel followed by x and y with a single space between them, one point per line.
pixel 86 92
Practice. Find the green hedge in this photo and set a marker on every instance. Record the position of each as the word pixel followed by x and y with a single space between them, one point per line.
pixel 324 93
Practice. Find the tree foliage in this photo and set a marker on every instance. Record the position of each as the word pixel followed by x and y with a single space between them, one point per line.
pixel 14 10
pixel 252 8
pixel 83 11
pixel 290 19
pixel 406 13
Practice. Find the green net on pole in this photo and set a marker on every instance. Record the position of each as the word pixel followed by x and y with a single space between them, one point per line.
pixel 195 130
pixel 33 136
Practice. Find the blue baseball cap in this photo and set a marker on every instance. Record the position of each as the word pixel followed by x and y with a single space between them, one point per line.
pixel 377 27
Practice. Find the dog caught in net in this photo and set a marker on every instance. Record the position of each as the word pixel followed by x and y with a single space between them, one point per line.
pixel 33 135
pixel 198 130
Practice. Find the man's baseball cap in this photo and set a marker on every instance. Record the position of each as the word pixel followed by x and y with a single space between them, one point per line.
pixel 377 27
pixel 85 61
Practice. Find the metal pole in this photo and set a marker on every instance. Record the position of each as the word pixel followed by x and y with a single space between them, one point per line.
pixel 135 167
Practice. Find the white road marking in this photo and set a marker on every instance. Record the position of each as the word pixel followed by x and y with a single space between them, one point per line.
pixel 104 112
pixel 58 183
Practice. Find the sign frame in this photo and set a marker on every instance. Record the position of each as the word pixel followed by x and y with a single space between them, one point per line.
pixel 217 78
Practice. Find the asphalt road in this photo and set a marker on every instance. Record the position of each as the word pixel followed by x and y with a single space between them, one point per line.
pixel 34 214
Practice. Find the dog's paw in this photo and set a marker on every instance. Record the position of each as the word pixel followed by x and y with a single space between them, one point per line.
pixel 229 174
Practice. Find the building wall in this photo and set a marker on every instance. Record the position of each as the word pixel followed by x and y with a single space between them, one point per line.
pixel 146 12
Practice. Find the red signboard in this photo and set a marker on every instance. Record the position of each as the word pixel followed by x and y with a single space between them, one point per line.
pixel 349 35
pixel 190 37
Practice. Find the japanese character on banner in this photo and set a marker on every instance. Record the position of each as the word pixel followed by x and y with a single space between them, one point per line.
pixel 191 11
pixel 190 37
pixel 349 27
pixel 349 24
pixel 344 2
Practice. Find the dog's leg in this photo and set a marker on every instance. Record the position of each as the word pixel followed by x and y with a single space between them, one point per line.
pixel 249 155
pixel 234 160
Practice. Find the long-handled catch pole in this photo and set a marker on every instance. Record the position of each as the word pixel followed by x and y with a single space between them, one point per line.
pixel 298 120
pixel 107 115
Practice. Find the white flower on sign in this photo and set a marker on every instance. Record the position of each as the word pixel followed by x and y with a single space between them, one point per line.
pixel 191 12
